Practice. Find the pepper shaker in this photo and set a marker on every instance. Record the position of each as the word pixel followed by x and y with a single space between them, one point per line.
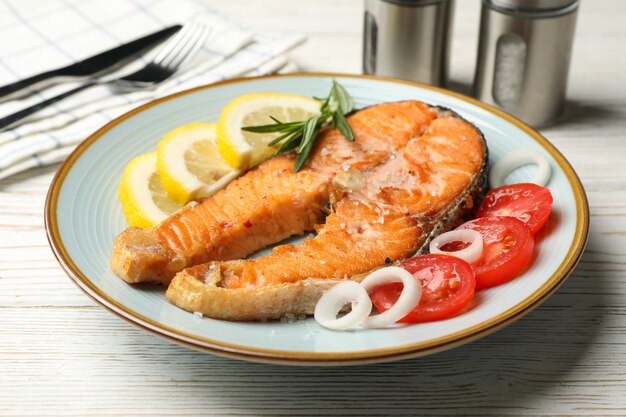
pixel 524 55
pixel 408 39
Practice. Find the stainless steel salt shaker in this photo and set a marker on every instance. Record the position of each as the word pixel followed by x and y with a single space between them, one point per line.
pixel 408 39
pixel 523 56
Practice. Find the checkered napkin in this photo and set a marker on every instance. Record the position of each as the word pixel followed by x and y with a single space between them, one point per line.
pixel 36 36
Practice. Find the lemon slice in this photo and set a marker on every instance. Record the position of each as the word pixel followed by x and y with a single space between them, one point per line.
pixel 189 164
pixel 144 201
pixel 246 149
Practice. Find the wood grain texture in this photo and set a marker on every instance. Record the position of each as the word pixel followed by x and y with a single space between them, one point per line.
pixel 61 355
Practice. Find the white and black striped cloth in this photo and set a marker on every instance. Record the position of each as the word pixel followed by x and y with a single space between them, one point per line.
pixel 36 36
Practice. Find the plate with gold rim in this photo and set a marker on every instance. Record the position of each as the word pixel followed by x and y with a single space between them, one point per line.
pixel 83 216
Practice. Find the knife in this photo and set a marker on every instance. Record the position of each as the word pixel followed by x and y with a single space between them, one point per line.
pixel 107 61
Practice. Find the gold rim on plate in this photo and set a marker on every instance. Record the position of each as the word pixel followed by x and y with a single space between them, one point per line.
pixel 326 358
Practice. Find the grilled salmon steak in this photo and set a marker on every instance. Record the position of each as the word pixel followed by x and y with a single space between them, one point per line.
pixel 381 211
pixel 269 203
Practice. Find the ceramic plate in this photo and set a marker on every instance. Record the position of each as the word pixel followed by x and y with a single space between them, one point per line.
pixel 83 215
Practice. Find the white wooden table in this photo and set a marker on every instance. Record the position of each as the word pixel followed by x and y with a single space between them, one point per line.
pixel 60 354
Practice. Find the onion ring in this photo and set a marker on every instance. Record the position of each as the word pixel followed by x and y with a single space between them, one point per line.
pixel 333 300
pixel 468 254
pixel 516 159
pixel 409 298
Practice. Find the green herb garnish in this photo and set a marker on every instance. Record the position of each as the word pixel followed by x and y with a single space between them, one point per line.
pixel 302 135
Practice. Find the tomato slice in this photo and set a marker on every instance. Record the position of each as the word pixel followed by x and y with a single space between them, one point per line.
pixel 508 247
pixel 527 202
pixel 447 287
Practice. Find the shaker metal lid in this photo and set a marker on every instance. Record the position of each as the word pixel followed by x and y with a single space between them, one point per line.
pixel 533 5
pixel 414 3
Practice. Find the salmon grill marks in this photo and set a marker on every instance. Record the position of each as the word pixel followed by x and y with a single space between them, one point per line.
pixel 401 202
pixel 267 204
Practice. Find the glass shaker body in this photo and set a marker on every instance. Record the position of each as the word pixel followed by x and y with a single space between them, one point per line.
pixel 524 56
pixel 408 39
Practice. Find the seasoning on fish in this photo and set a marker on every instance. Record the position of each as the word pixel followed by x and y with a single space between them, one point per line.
pixel 390 212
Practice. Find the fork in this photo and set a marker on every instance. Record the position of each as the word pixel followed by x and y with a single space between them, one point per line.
pixel 183 46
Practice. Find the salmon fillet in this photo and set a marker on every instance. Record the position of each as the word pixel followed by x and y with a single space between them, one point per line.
pixel 269 203
pixel 390 217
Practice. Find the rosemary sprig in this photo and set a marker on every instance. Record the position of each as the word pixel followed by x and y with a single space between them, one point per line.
pixel 301 136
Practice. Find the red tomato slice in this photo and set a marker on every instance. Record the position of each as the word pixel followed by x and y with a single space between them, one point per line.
pixel 527 202
pixel 508 247
pixel 447 287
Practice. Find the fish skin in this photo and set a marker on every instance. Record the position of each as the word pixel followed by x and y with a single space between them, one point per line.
pixel 464 208
pixel 269 203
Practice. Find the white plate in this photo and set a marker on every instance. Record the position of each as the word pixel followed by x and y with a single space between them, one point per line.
pixel 83 215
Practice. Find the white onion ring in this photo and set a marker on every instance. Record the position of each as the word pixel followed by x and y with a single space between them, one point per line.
pixel 333 300
pixel 516 159
pixel 410 296
pixel 468 254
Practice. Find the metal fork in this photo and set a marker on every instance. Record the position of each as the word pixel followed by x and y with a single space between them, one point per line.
pixel 183 46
